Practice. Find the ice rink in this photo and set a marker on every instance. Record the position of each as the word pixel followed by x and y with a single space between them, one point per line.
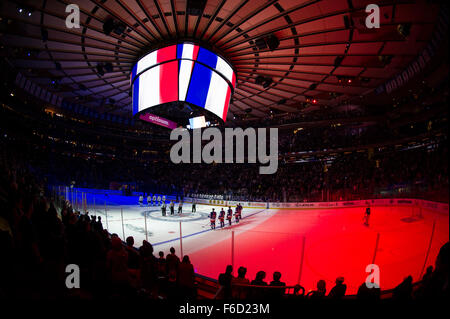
pixel 305 245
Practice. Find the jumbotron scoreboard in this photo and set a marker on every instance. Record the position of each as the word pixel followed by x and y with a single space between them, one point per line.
pixel 184 75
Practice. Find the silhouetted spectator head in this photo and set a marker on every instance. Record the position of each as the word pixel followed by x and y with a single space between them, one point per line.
pixel 442 260
pixel 130 241
pixel 113 235
pixel 161 254
pixel 147 249
pixel 276 276
pixel 409 280
pixel 186 259
pixel 297 289
pixel 229 269
pixel 99 218
pixel 338 291
pixel 260 275
pixel 116 243
pixel 366 293
pixel 321 286
pixel 404 289
pixel 172 250
pixel 241 272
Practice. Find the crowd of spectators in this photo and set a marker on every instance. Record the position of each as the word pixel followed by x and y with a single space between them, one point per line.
pixel 432 285
pixel 65 150
pixel 40 236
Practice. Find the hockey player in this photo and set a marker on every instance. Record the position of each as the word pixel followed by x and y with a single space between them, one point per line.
pixel 229 215
pixel 222 218
pixel 149 200
pixel 240 211
pixel 180 208
pixel 194 206
pixel 154 200
pixel 141 200
pixel 159 199
pixel 164 199
pixel 236 214
pixel 367 216
pixel 172 207
pixel 212 219
pixel 163 209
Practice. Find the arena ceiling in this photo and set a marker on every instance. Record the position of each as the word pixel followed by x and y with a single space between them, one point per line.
pixel 325 56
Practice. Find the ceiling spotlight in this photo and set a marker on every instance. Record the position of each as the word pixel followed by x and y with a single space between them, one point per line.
pixel 25 10
pixel 54 83
pixel 344 79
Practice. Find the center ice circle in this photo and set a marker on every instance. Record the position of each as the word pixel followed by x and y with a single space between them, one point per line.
pixel 184 217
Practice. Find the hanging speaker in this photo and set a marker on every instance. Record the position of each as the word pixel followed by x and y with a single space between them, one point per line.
pixel 273 42
pixel 261 43
pixel 108 26
pixel 195 7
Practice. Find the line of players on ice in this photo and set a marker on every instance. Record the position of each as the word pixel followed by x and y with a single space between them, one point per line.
pixel 152 201
pixel 161 201
pixel 228 215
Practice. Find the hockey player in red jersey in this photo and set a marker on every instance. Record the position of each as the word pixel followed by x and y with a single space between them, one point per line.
pixel 367 216
pixel 229 215
pixel 212 218
pixel 236 214
pixel 240 211
pixel 222 218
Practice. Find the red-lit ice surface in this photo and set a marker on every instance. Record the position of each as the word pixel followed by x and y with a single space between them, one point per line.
pixel 336 242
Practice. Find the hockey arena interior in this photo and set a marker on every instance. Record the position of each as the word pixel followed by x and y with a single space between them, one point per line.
pixel 340 108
